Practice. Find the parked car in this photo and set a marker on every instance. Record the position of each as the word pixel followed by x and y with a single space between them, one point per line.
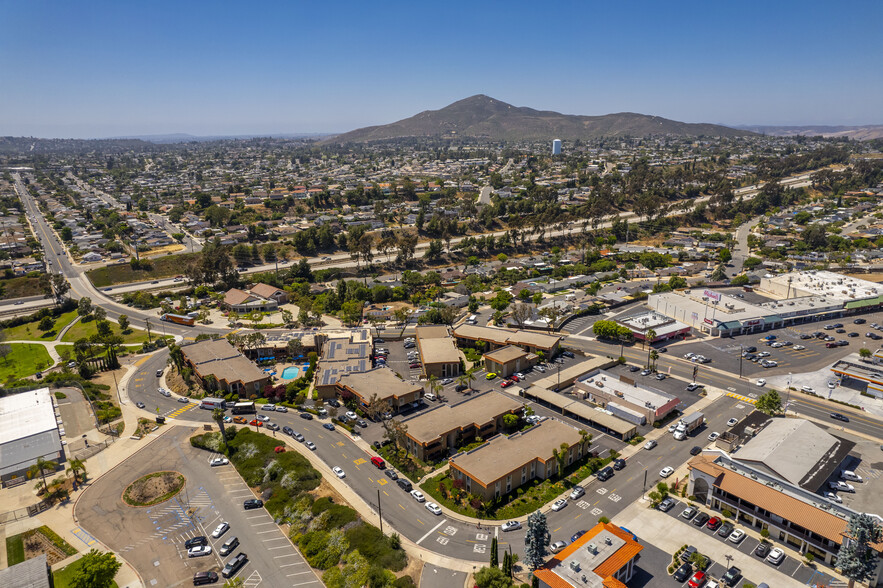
pixel 736 536
pixel 725 530
pixel 252 503
pixel 650 444
pixel 418 495
pixel 695 450
pixel 196 541
pixel 683 572
pixel 666 472
pixel 700 519
pixel 687 553
pixel 200 578
pixel 338 471
pixel 776 556
pixel 688 513
pixel 221 529
pixel 732 576
pixel 559 504
pixel 199 551
pixel 762 549
pixel 605 474
pixel 697 580
pixel 618 464
pixel 557 546
pixel 667 504
pixel 233 566
pixel 229 545
pixel 391 474
pixel 713 523
pixel 510 526
pixel 433 508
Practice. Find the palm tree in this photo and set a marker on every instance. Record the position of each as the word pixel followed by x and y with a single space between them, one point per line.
pixel 76 466
pixel 437 389
pixel 651 334
pixel 654 355
pixel 40 468
pixel 585 438
pixel 218 416
pixel 464 379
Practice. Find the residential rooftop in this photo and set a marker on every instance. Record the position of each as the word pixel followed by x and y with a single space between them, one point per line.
pixel 444 418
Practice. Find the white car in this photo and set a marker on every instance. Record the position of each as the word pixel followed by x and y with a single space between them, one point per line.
pixel 776 556
pixel 736 536
pixel 841 486
pixel 219 461
pixel 418 495
pixel 199 551
pixel 269 407
pixel 559 504
pixel 807 388
pixel 338 472
pixel 666 471
pixel 433 508
pixel 310 445
pixel 263 418
pixel 281 409
pixel 510 526
pixel 221 529
pixel 557 546
pixel 832 385
pixel 833 497
pixel 713 436
pixel 761 383
pixel 650 444
pixel 577 492
pixel 732 422
pixel 351 415
pixel 798 348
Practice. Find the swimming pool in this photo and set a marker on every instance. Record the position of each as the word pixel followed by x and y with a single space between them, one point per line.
pixel 290 373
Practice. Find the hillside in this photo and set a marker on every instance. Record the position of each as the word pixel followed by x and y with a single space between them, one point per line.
pixel 484 117
pixel 858 133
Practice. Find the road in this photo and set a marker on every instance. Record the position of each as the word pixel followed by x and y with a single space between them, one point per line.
pixel 670 363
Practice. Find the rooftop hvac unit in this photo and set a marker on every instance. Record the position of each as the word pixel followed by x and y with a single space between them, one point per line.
pixel 574 565
pixel 608 541
pixel 592 548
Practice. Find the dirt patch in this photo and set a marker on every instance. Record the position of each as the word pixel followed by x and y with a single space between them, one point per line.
pixel 325 489
pixel 153 488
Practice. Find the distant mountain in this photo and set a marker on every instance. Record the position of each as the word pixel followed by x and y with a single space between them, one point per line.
pixel 486 118
pixel 859 133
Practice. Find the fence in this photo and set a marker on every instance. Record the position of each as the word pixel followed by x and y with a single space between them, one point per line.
pixel 94 448
pixel 23 513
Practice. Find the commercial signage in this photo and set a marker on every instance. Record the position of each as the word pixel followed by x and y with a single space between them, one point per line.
pixel 752 323
pixel 708 321
pixel 712 295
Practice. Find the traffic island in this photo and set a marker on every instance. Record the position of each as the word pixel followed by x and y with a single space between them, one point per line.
pixel 153 488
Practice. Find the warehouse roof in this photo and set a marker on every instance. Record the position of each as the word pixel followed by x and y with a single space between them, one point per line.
pixel 25 414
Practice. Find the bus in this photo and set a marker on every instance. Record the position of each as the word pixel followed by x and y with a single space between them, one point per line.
pixel 244 408
pixel 213 403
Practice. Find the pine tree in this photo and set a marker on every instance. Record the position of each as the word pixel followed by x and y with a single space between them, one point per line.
pixel 536 541
pixel 856 559
pixel 495 561
pixel 507 564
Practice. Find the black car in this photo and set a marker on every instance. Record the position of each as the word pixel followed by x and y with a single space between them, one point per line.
pixel 200 578
pixel 859 321
pixel 683 572
pixel 306 415
pixel 732 577
pixel 194 541
pixel 852 335
pixel 751 349
pixel 634 368
pixel 696 450
pixel 725 530
pixel 700 519
pixel 837 325
pixel 839 417
pixel 568 354
pixel 460 387
pixel 328 426
pixel 234 564
pixel 252 503
pixel 332 402
pixel 840 331
pixel 605 474
pixel 391 474
pixel 762 550
pixel 618 464
pixel 662 350
pixel 405 484
pixel 288 431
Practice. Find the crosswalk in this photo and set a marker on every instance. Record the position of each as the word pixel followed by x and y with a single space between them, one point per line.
pixel 178 520
pixel 741 398
pixel 83 536
pixel 179 411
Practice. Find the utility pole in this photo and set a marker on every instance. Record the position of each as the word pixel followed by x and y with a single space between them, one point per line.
pixel 645 485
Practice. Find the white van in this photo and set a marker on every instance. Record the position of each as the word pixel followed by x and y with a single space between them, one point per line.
pixel 473 319
pixel 429 396
pixel 851 476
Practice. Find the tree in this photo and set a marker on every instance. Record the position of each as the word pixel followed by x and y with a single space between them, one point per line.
pixel 719 273
pixel 46 324
pixel 815 237
pixel 521 313
pixel 84 306
pixel 40 468
pixel 769 403
pixel 857 560
pixel 492 578
pixel 99 313
pixel 123 322
pixel 495 560
pixel 536 540
pixel 60 287
pixel 864 352
pixel 725 256
pixel 76 466
pixel 96 570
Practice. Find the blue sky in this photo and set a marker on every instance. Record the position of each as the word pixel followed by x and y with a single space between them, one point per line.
pixel 95 69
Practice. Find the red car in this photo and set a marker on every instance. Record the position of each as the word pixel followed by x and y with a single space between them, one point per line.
pixel 256 423
pixel 697 580
pixel 280 449
pixel 506 383
pixel 515 378
pixel 713 523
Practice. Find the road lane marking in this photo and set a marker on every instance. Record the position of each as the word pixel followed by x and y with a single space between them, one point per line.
pixel 429 532
pixel 401 507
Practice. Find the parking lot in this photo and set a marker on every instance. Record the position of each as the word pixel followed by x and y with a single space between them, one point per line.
pixel 153 538
pixel 790 565
pixel 865 461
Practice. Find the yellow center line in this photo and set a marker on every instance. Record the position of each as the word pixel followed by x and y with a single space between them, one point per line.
pixel 401 507
pixel 578 516
pixel 385 492
pixel 556 530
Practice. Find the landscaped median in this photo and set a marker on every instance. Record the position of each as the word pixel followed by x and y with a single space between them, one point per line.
pixel 522 501
pixel 331 536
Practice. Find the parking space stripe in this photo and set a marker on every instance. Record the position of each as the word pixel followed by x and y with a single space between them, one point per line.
pixel 279 547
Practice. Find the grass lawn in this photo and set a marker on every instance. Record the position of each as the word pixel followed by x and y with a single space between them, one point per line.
pixel 66 351
pixel 15 550
pixel 89 328
pixel 65 575
pixel 162 267
pixel 30 332
pixel 23 360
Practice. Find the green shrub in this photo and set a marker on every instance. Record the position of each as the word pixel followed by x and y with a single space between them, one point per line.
pixel 408 582
pixel 376 547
